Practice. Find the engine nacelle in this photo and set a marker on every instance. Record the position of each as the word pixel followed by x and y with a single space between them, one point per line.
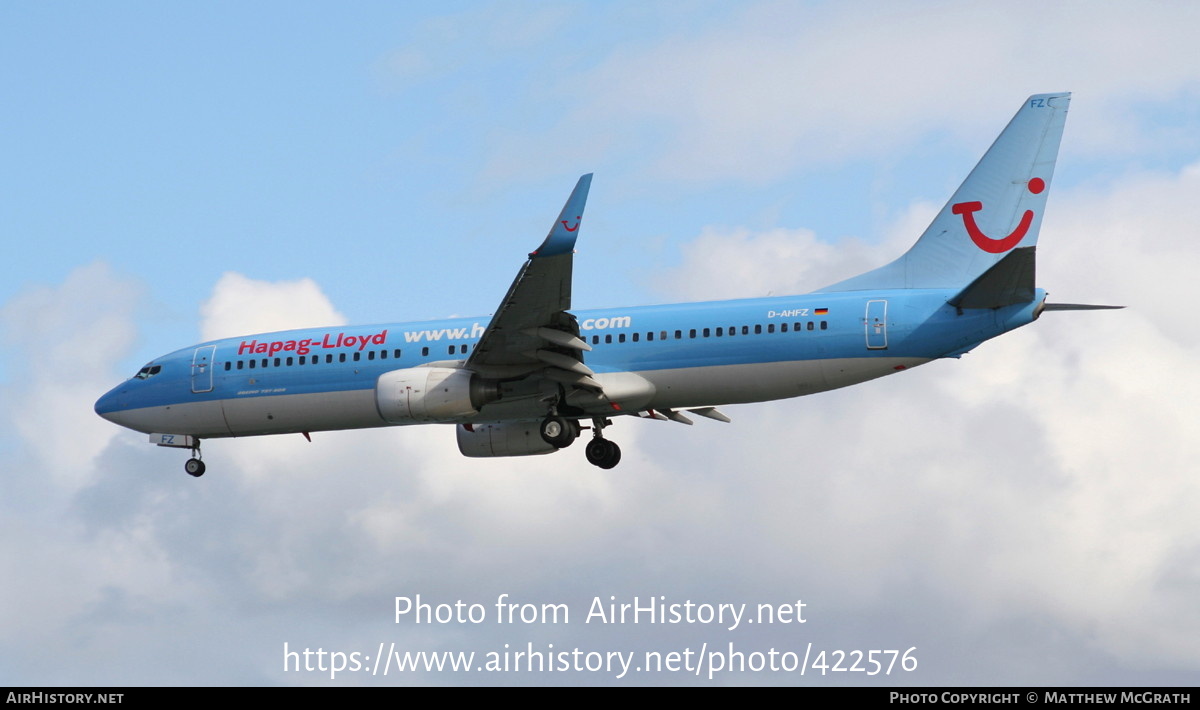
pixel 516 438
pixel 429 394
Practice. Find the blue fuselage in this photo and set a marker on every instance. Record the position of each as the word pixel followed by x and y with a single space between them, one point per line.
pixel 682 355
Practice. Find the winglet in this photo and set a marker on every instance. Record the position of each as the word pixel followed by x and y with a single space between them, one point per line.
pixel 561 239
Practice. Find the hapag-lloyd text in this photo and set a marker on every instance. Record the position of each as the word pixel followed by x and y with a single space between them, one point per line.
pixel 306 345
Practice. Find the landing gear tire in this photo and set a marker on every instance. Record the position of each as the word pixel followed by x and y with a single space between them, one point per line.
pixel 194 467
pixel 603 453
pixel 559 432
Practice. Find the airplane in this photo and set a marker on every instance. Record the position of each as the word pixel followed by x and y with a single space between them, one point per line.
pixel 530 378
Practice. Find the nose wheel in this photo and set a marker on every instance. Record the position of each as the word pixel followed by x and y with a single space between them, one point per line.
pixel 194 466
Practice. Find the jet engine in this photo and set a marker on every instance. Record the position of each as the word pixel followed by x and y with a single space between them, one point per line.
pixel 430 394
pixel 516 438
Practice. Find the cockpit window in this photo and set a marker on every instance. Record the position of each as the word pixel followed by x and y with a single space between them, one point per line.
pixel 148 371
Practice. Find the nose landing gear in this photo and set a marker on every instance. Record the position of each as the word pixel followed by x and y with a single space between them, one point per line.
pixel 194 467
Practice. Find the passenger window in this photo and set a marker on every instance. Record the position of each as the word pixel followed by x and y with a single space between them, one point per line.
pixel 635 337
pixel 692 333
pixel 824 325
pixel 341 357
pixel 707 331
pixel 370 354
pixel 595 340
pixel 758 330
pixel 276 362
pixel 357 357
pixel 396 354
pixel 621 338
pixel 303 360
pixel 425 351
pixel 252 364
pixel 265 362
pixel 770 327
pixel 650 336
pixel 382 354
pixel 810 325
pixel 329 358
pixel 289 362
pixel 679 335
pixel 240 363
pixel 228 366
pixel 783 327
pixel 745 330
pixel 608 338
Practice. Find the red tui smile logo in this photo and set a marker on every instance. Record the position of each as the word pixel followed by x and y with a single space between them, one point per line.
pixel 983 241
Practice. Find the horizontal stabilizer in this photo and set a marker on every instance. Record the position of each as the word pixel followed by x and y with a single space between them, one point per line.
pixel 1078 307
pixel 1007 283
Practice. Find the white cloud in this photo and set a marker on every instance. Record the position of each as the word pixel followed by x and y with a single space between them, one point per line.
pixel 739 263
pixel 67 340
pixel 240 305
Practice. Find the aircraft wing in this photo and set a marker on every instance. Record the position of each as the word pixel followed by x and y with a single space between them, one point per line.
pixel 532 330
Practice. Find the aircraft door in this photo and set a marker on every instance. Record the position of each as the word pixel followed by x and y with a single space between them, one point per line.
pixel 202 370
pixel 876 325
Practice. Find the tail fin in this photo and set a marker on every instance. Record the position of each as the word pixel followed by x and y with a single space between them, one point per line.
pixel 997 208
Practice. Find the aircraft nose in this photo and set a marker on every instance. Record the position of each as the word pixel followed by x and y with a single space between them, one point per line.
pixel 111 403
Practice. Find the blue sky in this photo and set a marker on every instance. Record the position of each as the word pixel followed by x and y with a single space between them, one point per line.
pixel 174 172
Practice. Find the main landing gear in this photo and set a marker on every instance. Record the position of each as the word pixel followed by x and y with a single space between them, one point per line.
pixel 602 452
pixel 561 432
